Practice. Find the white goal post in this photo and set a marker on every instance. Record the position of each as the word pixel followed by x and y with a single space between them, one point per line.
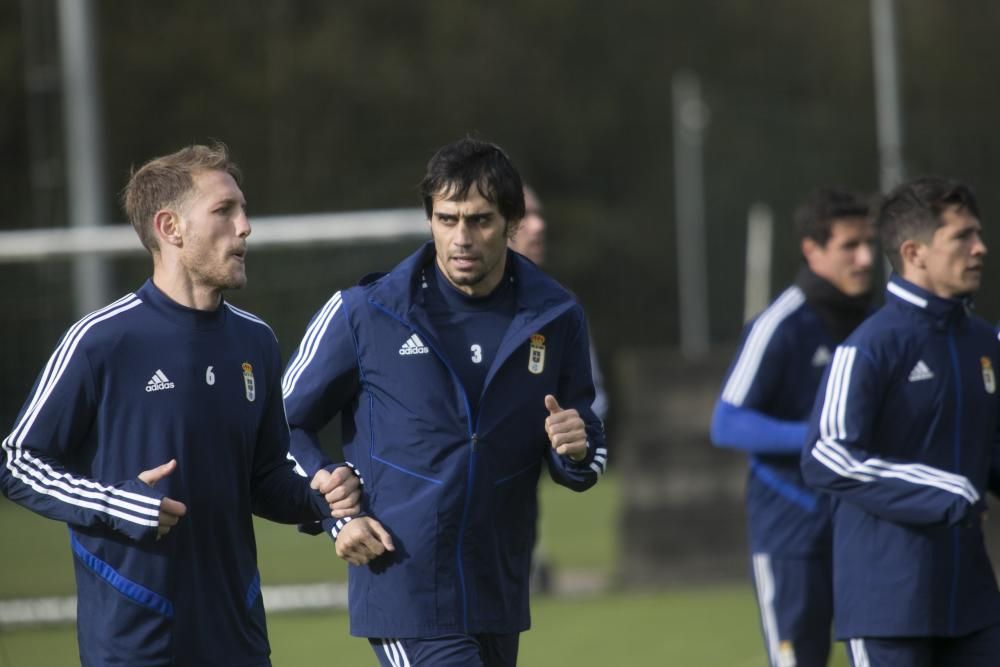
pixel 31 245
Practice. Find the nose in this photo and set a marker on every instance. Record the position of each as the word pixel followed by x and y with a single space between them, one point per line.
pixel 978 248
pixel 463 236
pixel 242 225
pixel 866 255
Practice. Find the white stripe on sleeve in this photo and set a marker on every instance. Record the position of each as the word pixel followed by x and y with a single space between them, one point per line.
pixel 829 451
pixel 745 370
pixel 41 477
pixel 310 343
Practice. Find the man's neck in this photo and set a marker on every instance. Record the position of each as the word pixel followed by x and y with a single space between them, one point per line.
pixel 178 286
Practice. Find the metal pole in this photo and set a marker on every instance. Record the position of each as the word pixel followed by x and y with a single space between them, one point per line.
pixel 690 120
pixel 84 156
pixel 887 108
pixel 757 288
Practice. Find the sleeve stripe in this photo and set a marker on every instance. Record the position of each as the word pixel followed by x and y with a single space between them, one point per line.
pixel 310 343
pixel 745 370
pixel 51 485
pixel 833 427
pixel 27 468
pixel 836 458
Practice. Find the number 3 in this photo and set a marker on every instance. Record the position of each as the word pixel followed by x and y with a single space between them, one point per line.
pixel 209 375
pixel 477 353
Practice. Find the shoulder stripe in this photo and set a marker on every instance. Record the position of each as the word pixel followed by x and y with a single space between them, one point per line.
pixel 833 428
pixel 40 476
pixel 57 363
pixel 310 344
pixel 250 316
pixel 745 370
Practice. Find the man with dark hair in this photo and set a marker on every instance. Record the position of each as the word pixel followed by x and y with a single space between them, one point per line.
pixel 903 435
pixel 173 386
pixel 462 372
pixel 765 401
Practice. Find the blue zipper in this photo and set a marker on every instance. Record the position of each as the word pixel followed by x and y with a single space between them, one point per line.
pixel 428 341
pixel 957 462
pixel 473 431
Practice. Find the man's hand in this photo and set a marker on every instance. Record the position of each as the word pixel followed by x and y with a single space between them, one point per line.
pixel 567 432
pixel 362 540
pixel 171 510
pixel 342 491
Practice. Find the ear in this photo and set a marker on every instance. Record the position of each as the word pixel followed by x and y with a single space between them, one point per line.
pixel 809 248
pixel 912 253
pixel 167 226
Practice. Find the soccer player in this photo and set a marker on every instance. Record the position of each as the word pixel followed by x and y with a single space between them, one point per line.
pixel 903 435
pixel 462 372
pixel 765 402
pixel 169 386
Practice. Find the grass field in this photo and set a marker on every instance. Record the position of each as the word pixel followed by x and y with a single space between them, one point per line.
pixel 710 627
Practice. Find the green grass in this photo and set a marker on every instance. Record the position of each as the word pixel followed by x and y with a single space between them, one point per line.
pixel 711 626
pixel 35 555
pixel 289 557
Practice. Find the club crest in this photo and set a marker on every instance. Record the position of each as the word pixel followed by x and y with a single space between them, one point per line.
pixel 248 381
pixel 989 379
pixel 536 354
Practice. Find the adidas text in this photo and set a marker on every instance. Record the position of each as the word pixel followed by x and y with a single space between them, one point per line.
pixel 414 345
pixel 159 382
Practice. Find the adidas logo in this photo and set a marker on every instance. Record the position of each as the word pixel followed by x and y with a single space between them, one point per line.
pixel 821 357
pixel 414 345
pixel 920 372
pixel 159 382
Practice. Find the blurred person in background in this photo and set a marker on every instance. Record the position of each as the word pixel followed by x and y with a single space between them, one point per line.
pixel 903 437
pixel 531 241
pixel 463 372
pixel 157 429
pixel 763 410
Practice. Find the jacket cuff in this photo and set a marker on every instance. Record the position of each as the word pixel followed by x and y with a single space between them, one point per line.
pixel 596 460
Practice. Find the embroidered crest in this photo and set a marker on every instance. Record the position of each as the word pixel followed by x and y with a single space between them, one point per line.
pixel 786 653
pixel 989 380
pixel 248 382
pixel 536 354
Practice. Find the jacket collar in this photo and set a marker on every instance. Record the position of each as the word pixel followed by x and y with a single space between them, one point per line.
pixel 402 289
pixel 938 308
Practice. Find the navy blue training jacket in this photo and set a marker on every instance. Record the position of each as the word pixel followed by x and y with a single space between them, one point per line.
pixel 903 435
pixel 456 489
pixel 763 409
pixel 129 387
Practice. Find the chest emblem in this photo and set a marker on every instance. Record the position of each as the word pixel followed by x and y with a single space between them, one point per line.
pixel 536 354
pixel 821 357
pixel 920 372
pixel 248 382
pixel 989 380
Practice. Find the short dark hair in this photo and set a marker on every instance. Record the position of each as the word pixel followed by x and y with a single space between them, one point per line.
pixel 455 168
pixel 815 216
pixel 912 211
pixel 165 181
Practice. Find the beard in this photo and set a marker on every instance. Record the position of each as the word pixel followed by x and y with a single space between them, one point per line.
pixel 218 274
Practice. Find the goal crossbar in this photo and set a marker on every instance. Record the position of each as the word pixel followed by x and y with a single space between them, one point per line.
pixel 30 245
